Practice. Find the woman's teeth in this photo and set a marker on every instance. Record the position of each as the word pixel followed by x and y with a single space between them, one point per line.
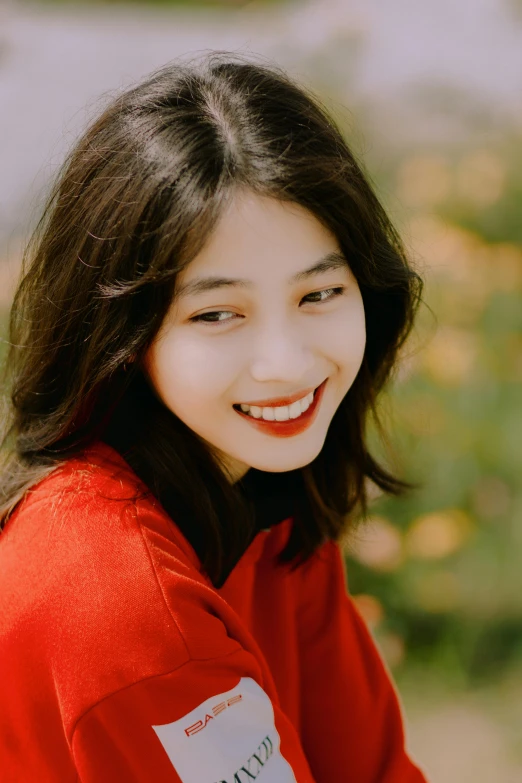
pixel 282 413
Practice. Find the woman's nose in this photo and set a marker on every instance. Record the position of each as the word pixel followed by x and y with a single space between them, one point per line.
pixel 280 355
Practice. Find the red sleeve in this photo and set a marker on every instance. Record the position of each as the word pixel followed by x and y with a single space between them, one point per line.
pixel 209 721
pixel 351 723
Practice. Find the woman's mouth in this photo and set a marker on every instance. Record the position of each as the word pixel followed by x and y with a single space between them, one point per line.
pixel 286 420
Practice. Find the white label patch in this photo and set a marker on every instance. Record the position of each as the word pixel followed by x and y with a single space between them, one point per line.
pixel 229 738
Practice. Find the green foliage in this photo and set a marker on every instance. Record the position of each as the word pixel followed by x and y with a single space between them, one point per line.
pixel 438 573
pixel 499 220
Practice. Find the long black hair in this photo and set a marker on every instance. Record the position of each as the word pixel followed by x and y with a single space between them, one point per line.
pixel 135 201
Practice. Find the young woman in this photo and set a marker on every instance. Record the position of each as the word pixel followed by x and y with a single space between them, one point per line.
pixel 214 299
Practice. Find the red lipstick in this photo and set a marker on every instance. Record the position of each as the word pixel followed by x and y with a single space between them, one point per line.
pixel 280 401
pixel 287 429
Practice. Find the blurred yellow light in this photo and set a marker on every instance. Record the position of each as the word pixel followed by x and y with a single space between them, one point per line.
pixel 481 177
pixel 505 267
pixel 377 544
pixel 423 180
pixel 448 250
pixel 370 608
pixel 438 534
pixel 451 355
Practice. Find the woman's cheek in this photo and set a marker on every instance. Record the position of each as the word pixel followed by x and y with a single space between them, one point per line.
pixel 341 336
pixel 186 370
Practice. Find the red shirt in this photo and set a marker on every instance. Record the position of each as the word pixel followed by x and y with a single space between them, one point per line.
pixel 121 662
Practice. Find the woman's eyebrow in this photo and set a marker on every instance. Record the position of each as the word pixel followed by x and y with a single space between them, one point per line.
pixel 199 285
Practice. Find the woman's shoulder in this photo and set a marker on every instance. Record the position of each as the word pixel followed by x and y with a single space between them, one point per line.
pixel 84 570
pixel 93 494
pixel 99 471
pixel 88 510
pixel 89 554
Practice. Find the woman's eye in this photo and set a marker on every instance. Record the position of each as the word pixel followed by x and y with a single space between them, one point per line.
pixel 331 294
pixel 210 316
pixel 214 316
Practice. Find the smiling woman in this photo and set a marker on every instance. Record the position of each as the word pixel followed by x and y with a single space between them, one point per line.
pixel 258 267
pixel 210 307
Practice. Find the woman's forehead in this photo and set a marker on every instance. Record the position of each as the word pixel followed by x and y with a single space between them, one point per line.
pixel 256 235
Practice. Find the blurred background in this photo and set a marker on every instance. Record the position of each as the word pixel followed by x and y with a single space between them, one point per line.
pixel 429 94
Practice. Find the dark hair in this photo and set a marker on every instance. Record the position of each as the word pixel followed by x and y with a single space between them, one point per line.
pixel 136 200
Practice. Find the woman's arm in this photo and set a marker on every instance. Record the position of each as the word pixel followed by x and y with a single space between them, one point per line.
pixel 208 721
pixel 351 723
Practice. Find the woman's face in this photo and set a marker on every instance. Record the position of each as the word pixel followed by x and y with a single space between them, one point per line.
pixel 251 322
